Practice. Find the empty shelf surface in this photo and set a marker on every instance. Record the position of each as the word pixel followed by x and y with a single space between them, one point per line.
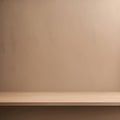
pixel 59 98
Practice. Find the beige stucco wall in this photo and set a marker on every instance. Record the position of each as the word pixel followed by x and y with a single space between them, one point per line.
pixel 60 45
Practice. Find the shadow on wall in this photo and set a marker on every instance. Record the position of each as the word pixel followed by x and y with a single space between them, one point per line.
pixel 59 113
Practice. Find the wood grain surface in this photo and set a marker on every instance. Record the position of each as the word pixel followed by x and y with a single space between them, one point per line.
pixel 59 99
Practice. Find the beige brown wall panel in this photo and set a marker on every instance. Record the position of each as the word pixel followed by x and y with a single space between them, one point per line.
pixel 1 45
pixel 59 113
pixel 60 45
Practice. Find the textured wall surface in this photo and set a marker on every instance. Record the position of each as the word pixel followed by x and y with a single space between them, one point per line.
pixel 60 45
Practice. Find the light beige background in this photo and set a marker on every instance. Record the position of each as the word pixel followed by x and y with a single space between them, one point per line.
pixel 59 45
